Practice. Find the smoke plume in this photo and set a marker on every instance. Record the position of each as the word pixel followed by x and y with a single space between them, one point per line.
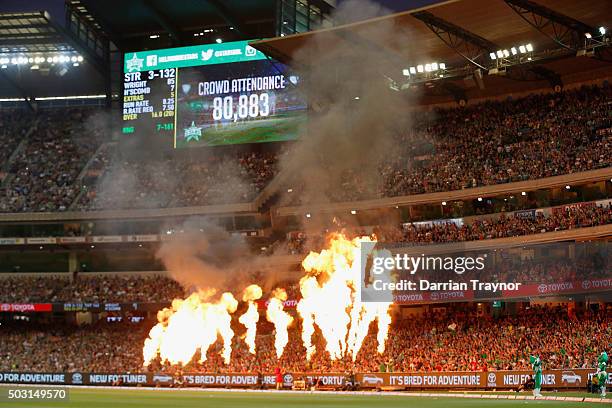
pixel 354 114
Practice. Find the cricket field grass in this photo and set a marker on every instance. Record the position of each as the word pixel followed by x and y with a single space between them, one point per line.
pixel 90 397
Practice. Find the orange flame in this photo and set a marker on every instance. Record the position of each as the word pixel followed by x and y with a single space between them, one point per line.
pixel 281 319
pixel 250 318
pixel 329 300
pixel 330 290
pixel 190 325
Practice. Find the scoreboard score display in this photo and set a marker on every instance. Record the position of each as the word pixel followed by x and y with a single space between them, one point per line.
pixel 210 95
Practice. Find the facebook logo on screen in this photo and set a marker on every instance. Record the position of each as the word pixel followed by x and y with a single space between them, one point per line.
pixel 151 60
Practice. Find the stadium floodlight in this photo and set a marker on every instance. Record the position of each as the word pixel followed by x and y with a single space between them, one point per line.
pixel 34 67
pixel 308 215
pixel 529 47
pixel 602 30
pixel 523 193
pixel 434 66
pixel 79 58
pixel 49 60
pixel 427 67
pixel 479 198
pixel 493 56
pixel 218 40
pixel 568 187
pixel 356 98
pixel 353 212
pixel 73 58
pixel 588 35
pixel 506 53
pixel 522 49
pixel 55 59
pixel 442 65
pixel 513 51
pixel 413 70
pixel 30 60
pixel 443 202
pixel 500 54
pixel 420 68
pixel 76 64
pixel 406 72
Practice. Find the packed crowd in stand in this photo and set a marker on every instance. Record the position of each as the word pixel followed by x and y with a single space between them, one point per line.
pixel 541 135
pixel 14 125
pixel 454 340
pixel 64 143
pixel 66 348
pixel 214 179
pixel 537 136
pixel 89 289
pixel 570 217
pixel 43 175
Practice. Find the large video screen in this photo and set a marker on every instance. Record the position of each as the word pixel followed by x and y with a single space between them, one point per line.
pixel 210 95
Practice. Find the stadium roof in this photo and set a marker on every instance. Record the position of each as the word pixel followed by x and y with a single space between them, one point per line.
pixel 143 16
pixel 124 21
pixel 91 28
pixel 491 19
pixel 31 33
pixel 408 40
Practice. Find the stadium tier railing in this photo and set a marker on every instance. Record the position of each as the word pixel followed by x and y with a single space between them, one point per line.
pixel 253 207
pixel 285 265
pixel 455 195
pixel 224 209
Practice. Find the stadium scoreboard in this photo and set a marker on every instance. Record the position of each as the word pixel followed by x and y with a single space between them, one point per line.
pixel 209 95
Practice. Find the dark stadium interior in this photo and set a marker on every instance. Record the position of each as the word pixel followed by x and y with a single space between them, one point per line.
pixel 156 235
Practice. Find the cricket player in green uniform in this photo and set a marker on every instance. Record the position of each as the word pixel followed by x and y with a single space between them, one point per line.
pixel 602 375
pixel 536 364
